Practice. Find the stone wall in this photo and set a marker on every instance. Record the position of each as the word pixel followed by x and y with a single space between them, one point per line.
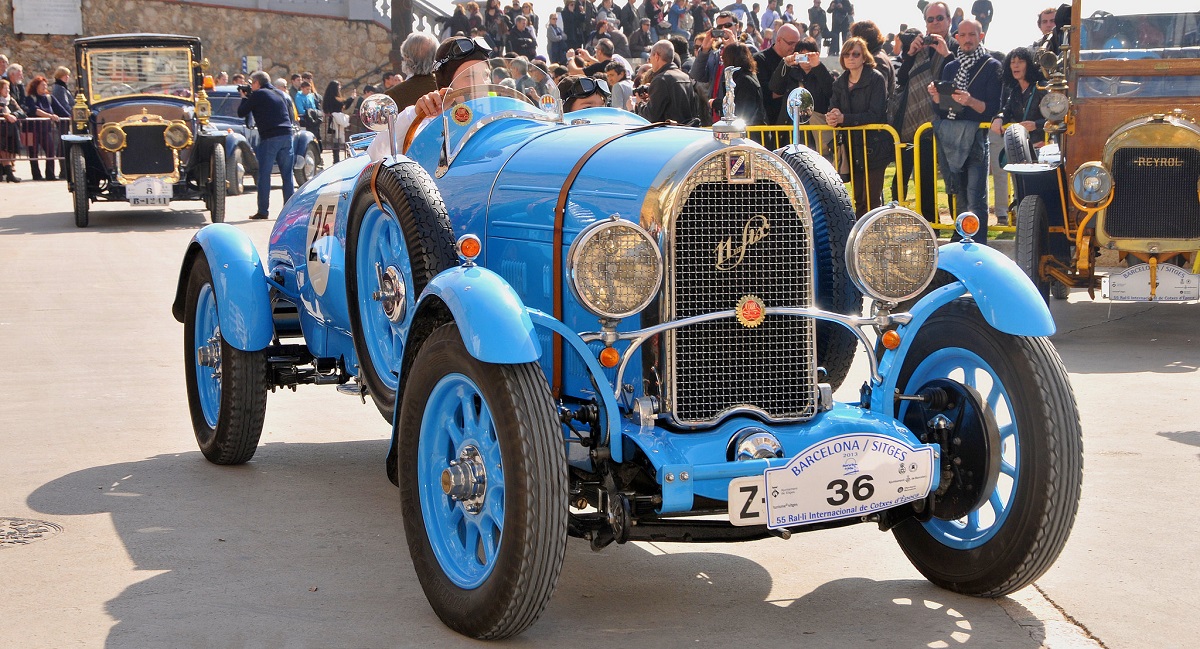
pixel 328 47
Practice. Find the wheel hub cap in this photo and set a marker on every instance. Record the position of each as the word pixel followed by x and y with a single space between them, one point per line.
pixel 391 293
pixel 465 479
pixel 210 354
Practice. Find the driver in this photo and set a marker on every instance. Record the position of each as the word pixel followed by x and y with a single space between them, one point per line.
pixel 454 56
pixel 579 92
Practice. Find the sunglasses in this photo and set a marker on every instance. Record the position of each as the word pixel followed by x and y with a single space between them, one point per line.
pixel 725 26
pixel 587 86
pixel 934 19
pixel 461 48
pixel 854 54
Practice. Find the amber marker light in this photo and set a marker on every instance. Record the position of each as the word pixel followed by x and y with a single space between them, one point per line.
pixel 968 225
pixel 469 247
pixel 609 357
pixel 890 339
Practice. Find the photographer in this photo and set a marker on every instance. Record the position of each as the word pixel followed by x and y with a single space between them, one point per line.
pixel 271 115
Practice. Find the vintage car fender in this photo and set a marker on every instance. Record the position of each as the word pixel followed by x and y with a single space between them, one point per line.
pixel 239 284
pixel 233 142
pixel 300 142
pixel 1005 296
pixel 490 316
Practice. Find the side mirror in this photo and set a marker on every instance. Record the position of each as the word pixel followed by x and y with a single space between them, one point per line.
pixel 377 112
pixel 799 109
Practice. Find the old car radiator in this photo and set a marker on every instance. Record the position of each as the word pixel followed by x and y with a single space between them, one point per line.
pixel 1156 194
pixel 731 240
pixel 153 155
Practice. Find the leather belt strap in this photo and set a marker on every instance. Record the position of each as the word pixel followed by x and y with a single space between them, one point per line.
pixel 560 209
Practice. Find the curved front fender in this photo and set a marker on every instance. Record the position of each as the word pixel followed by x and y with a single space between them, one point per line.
pixel 1005 295
pixel 490 316
pixel 239 284
pixel 299 144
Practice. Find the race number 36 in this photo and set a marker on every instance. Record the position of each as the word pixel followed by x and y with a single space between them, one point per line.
pixel 862 489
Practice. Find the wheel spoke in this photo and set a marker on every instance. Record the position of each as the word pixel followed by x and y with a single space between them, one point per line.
pixel 994 501
pixel 471 539
pixel 466 403
pixel 491 540
pixel 973 520
pixel 1007 468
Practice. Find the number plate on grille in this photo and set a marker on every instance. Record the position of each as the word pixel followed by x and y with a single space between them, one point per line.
pixel 1174 284
pixel 149 191
pixel 842 477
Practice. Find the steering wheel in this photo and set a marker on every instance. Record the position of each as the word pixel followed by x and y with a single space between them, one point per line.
pixel 115 89
pixel 1109 87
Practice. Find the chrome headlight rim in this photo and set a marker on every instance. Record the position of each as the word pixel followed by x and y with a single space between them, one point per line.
pixel 927 239
pixel 180 133
pixel 589 235
pixel 111 138
pixel 1092 183
pixel 1055 105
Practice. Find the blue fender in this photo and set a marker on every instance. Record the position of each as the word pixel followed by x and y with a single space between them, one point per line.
pixel 239 283
pixel 490 316
pixel 1005 295
pixel 300 142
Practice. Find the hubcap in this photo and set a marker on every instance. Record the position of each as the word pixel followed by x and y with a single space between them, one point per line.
pixel 391 293
pixel 210 354
pixel 465 480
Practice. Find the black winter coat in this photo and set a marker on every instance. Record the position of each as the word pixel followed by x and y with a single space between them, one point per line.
pixel 865 103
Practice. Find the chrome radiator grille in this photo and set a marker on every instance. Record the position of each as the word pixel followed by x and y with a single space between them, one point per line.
pixel 1156 195
pixel 146 152
pixel 717 258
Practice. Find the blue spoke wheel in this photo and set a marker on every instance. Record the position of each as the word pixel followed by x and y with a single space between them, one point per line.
pixel 226 387
pixel 1013 464
pixel 393 248
pixel 483 487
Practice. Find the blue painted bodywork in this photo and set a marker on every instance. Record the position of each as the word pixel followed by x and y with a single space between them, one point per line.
pixel 494 325
pixel 239 285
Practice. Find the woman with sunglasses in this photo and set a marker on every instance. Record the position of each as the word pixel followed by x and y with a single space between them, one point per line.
pixel 860 98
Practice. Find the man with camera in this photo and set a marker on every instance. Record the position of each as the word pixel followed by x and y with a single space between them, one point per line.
pixel 707 68
pixel 922 61
pixel 272 117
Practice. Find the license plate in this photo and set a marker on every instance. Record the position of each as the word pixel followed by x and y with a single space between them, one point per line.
pixel 149 191
pixel 842 477
pixel 1133 285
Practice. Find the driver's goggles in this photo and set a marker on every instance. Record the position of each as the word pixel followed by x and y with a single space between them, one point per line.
pixel 587 86
pixel 461 48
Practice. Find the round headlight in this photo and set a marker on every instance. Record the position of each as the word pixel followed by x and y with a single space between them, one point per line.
pixel 615 268
pixel 178 135
pixel 1091 183
pixel 112 138
pixel 1054 105
pixel 377 112
pixel 891 254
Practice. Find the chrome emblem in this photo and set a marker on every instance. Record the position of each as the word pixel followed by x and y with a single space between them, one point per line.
pixel 750 311
pixel 730 255
pixel 737 167
pixel 1144 161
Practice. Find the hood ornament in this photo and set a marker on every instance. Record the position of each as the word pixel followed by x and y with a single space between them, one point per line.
pixel 730 127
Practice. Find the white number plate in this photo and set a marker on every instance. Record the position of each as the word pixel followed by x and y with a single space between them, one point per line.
pixel 1133 285
pixel 842 477
pixel 149 191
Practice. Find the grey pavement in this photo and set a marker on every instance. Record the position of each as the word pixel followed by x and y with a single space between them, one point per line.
pixel 152 546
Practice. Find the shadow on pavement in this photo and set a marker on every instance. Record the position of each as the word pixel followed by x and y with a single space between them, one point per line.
pixel 105 221
pixel 304 547
pixel 1189 437
pixel 1142 337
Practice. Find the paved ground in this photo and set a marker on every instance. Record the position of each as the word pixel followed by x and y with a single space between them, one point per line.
pixel 303 546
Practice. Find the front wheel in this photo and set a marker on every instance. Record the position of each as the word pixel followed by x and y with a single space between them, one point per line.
pixel 237 174
pixel 483 488
pixel 1032 233
pixel 226 387
pixel 216 184
pixel 1025 503
pixel 79 186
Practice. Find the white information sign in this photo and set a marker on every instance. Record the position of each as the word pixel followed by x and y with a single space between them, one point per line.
pixel 1133 285
pixel 149 191
pixel 48 17
pixel 842 477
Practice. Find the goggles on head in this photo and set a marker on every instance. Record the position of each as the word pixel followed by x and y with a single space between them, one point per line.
pixel 587 86
pixel 461 48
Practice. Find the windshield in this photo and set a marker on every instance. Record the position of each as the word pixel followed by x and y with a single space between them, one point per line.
pixel 486 91
pixel 121 73
pixel 225 104
pixel 1147 29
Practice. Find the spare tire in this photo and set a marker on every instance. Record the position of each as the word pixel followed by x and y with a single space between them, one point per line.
pixel 1016 145
pixel 832 217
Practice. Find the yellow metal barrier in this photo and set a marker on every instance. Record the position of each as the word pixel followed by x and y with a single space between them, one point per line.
pixel 936 175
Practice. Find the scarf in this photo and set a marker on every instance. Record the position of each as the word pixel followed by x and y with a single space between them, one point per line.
pixel 966 63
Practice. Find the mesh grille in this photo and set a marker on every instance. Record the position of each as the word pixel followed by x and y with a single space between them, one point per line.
pixel 722 365
pixel 1156 194
pixel 146 151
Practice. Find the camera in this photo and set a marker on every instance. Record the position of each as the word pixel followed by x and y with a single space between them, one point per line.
pixel 245 89
pixel 720 34
pixel 643 89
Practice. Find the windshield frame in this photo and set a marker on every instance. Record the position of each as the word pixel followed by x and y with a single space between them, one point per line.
pixel 94 58
pixel 1140 43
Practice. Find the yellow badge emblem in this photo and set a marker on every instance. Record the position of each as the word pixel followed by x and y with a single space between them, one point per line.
pixel 750 311
pixel 461 114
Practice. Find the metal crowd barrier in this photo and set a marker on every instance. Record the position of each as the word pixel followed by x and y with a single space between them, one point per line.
pixel 33 138
pixel 821 138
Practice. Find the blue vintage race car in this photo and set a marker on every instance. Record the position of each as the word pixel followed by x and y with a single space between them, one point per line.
pixel 589 326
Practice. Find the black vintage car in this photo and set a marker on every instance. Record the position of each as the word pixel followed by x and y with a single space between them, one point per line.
pixel 140 127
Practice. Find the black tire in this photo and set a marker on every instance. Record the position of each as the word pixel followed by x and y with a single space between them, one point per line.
pixel 1046 481
pixel 1058 290
pixel 410 193
pixel 216 184
pixel 1032 230
pixel 310 166
pixel 832 217
pixel 237 174
pixel 241 380
pixel 79 187
pixel 1016 145
pixel 525 567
